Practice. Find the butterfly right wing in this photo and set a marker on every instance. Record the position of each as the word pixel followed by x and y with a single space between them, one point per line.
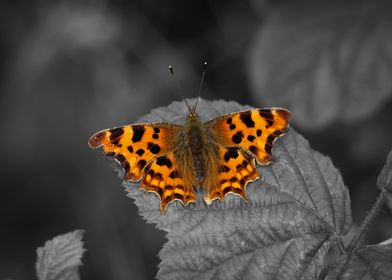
pixel 253 130
pixel 230 172
pixel 240 138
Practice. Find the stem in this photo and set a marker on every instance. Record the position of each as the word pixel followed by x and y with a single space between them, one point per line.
pixel 340 245
pixel 367 221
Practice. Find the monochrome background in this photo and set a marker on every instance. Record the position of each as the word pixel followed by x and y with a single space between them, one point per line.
pixel 71 68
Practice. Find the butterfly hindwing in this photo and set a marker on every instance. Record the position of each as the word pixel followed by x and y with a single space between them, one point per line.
pixel 235 168
pixel 133 146
pixel 253 130
pixel 164 177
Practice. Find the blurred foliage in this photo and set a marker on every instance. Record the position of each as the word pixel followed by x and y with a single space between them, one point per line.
pixel 60 257
pixel 329 62
pixel 70 68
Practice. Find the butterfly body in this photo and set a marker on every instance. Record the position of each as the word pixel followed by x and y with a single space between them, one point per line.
pixel 218 155
pixel 196 145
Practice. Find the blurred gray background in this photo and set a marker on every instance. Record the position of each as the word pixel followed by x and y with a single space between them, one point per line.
pixel 71 68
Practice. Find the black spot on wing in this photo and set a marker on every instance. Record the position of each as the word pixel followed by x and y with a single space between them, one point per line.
pixel 155 136
pixel 158 176
pixel 141 163
pixel 227 190
pixel 258 132
pixel 251 138
pixel 232 126
pixel 163 160
pixel 126 166
pixel 246 118
pixel 116 132
pixel 224 181
pixel 231 153
pixel 277 133
pixel 130 149
pixel 224 168
pixel 174 174
pixel 237 138
pixel 239 167
pixel 253 149
pixel 229 121
pixel 138 132
pixel 120 158
pixel 155 149
pixel 265 113
pixel 268 116
pixel 140 152
pixel 156 130
pixel 151 172
pixel 268 145
pixel 116 142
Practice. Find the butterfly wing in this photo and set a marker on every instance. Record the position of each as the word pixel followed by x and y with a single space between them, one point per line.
pixel 228 173
pixel 147 152
pixel 133 146
pixel 254 130
pixel 166 177
pixel 239 137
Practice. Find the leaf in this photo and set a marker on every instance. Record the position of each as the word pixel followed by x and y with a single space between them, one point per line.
pixel 370 262
pixel 60 257
pixel 327 61
pixel 284 230
pixel 384 181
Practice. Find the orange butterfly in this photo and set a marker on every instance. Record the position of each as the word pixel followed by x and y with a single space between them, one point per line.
pixel 218 155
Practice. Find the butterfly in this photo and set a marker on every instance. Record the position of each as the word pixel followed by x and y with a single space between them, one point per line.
pixel 173 160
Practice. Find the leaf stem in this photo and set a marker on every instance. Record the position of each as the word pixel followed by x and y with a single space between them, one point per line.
pixel 340 245
pixel 367 221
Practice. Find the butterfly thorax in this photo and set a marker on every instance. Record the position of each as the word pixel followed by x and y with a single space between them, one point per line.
pixel 195 140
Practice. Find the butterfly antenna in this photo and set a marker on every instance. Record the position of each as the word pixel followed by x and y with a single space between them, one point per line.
pixel 201 83
pixel 178 86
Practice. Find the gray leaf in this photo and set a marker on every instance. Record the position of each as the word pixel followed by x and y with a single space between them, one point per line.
pixel 370 262
pixel 60 257
pixel 327 61
pixel 282 232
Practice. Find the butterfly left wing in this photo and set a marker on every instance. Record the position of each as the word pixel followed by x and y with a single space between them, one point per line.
pixel 146 153
pixel 133 146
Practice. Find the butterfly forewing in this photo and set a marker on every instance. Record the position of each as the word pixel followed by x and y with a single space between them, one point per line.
pixel 134 146
pixel 253 130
